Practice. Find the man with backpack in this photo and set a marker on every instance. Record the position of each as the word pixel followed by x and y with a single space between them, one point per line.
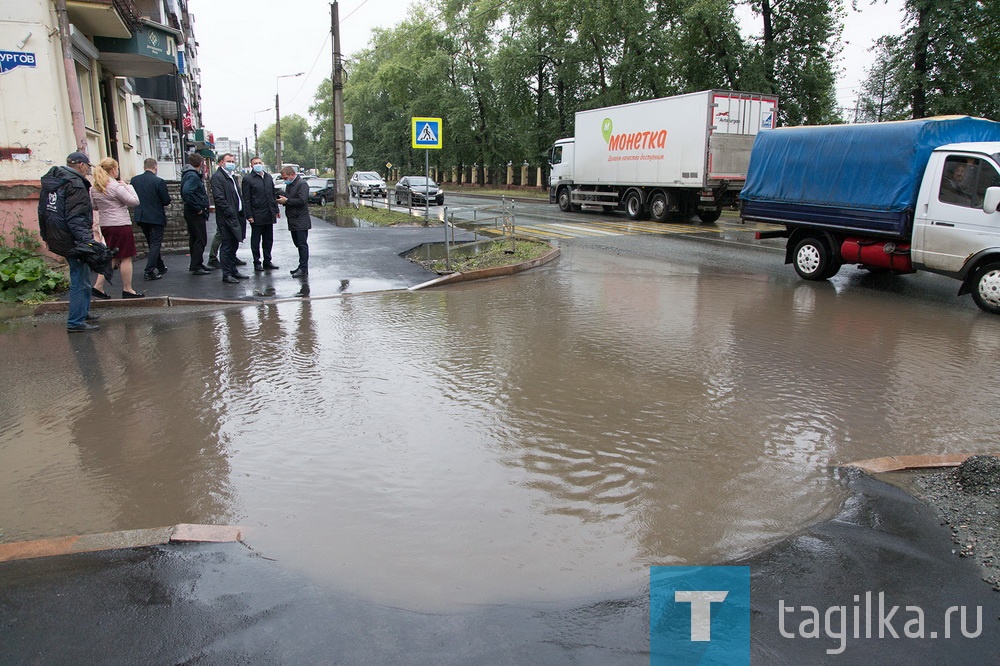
pixel 66 219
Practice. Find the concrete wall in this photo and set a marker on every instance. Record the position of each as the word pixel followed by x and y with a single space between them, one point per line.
pixel 35 130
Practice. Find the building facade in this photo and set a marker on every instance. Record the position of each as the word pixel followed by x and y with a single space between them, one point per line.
pixel 114 78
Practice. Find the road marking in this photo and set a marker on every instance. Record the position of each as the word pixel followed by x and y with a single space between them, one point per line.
pixel 584 230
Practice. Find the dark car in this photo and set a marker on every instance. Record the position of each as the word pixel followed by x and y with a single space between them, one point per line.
pixel 321 190
pixel 412 190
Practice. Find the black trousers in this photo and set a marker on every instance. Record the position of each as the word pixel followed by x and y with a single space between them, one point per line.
pixel 227 251
pixel 300 238
pixel 261 237
pixel 197 238
pixel 154 239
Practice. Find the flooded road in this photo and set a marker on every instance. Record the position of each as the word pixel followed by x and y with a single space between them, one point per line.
pixel 541 438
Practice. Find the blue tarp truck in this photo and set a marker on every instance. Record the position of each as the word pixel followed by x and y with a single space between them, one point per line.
pixel 890 197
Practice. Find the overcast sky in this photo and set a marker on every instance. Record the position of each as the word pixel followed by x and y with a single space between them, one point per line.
pixel 245 45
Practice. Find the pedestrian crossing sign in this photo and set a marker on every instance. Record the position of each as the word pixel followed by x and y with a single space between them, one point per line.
pixel 426 132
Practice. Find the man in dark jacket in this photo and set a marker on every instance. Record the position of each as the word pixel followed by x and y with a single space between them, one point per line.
pixel 262 212
pixel 296 203
pixel 195 212
pixel 65 219
pixel 229 216
pixel 153 197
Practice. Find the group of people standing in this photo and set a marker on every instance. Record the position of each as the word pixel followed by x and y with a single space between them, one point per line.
pixel 253 201
pixel 71 201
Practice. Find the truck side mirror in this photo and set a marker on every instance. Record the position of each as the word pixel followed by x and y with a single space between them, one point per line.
pixel 992 200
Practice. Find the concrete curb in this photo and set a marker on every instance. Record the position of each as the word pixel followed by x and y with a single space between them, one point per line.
pixel 89 543
pixel 899 463
pixel 53 307
pixel 485 273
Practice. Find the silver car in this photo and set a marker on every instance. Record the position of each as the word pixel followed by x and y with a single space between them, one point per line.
pixel 367 184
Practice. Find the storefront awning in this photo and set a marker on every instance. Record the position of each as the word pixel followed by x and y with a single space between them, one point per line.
pixel 149 52
pixel 97 17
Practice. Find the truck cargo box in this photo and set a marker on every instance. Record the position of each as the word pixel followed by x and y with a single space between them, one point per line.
pixel 859 177
pixel 688 140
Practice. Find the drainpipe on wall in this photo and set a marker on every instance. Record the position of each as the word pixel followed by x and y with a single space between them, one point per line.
pixel 72 85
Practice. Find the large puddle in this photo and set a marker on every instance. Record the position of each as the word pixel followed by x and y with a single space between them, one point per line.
pixel 541 438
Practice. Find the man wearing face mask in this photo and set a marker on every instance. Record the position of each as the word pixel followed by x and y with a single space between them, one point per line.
pixel 230 219
pixel 296 203
pixel 262 212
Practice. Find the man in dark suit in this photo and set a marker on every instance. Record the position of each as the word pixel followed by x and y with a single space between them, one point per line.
pixel 262 211
pixel 149 214
pixel 296 203
pixel 230 219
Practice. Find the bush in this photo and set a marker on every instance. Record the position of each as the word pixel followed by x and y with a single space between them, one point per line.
pixel 25 276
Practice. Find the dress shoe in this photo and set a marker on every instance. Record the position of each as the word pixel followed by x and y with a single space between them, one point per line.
pixel 241 276
pixel 93 316
pixel 207 268
pixel 240 262
pixel 97 293
pixel 268 266
pixel 229 279
pixel 300 272
pixel 151 276
pixel 77 328
pixel 258 267
pixel 199 271
pixel 213 262
pixel 133 294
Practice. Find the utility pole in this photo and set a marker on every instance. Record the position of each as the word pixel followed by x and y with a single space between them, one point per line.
pixel 277 131
pixel 277 118
pixel 337 84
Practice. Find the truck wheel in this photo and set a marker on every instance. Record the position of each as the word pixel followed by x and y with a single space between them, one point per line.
pixel 564 201
pixel 986 288
pixel 812 259
pixel 658 207
pixel 709 216
pixel 633 206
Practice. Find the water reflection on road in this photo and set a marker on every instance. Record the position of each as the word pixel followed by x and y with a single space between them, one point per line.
pixel 540 438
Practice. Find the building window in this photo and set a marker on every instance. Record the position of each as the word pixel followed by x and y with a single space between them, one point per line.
pixel 87 97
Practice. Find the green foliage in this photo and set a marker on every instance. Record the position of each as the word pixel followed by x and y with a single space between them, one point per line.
pixel 942 64
pixel 24 275
pixel 295 137
pixel 507 78
pixel 492 255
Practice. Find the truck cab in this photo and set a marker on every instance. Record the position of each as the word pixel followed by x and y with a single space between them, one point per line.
pixel 560 168
pixel 951 229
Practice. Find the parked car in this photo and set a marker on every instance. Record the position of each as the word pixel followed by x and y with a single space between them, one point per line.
pixel 366 184
pixel 279 183
pixel 418 190
pixel 321 190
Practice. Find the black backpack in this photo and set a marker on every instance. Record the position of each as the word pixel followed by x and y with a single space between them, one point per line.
pixel 52 223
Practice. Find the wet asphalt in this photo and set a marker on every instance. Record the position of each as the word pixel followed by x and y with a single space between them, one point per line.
pixel 341 260
pixel 223 604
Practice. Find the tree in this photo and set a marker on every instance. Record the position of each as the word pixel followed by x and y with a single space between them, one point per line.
pixel 882 95
pixel 799 43
pixel 296 148
pixel 942 64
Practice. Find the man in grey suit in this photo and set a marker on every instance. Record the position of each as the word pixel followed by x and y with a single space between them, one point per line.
pixel 153 198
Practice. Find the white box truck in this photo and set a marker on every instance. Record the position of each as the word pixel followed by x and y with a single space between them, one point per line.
pixel 668 158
